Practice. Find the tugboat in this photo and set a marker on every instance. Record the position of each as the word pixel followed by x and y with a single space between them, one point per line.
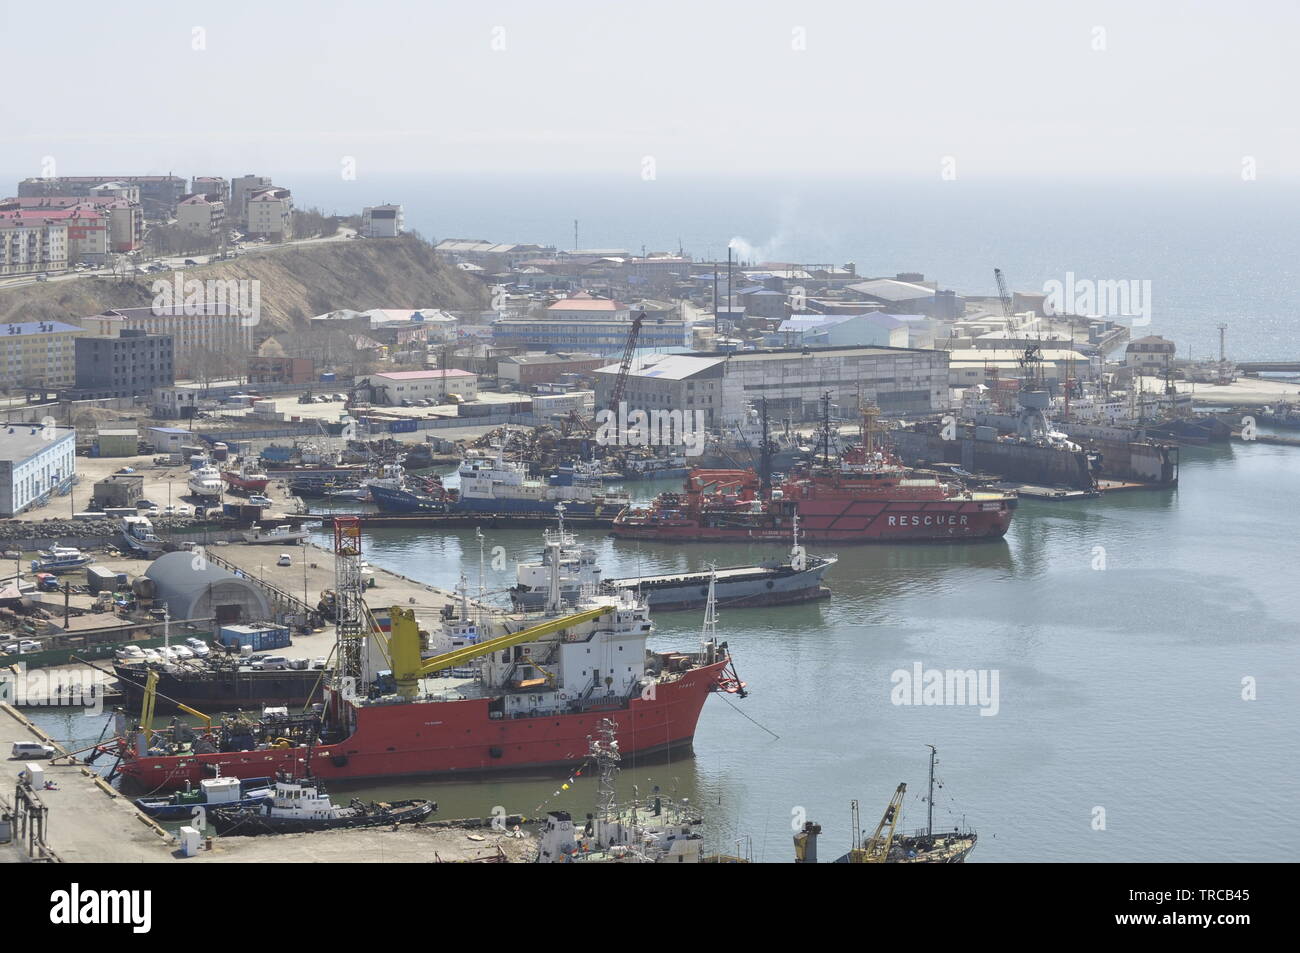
pixel 227 792
pixel 302 806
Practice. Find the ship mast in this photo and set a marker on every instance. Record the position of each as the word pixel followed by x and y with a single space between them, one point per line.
pixel 710 632
pixel 764 455
pixel 929 820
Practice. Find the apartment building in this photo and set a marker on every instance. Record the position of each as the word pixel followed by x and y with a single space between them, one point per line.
pixel 240 189
pixel 211 185
pixel 125 217
pixel 217 330
pixel 38 354
pixel 129 364
pixel 203 216
pixel 381 221
pixel 32 245
pixel 270 214
pixel 34 462
pixel 157 193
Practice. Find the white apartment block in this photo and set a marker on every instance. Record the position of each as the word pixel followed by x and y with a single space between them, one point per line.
pixel 381 221
pixel 270 214
pixel 201 217
pixel 30 246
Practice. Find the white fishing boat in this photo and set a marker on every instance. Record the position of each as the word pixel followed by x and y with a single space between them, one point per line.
pixel 276 534
pixel 205 482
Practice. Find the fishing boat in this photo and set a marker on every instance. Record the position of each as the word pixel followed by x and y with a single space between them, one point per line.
pixel 138 536
pixel 275 535
pixel 60 559
pixel 247 479
pixel 211 792
pixel 302 806
pixel 205 482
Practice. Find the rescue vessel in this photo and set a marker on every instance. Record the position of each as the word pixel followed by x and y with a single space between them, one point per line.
pixel 457 702
pixel 860 495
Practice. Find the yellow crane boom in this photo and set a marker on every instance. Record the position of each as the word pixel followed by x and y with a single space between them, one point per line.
pixel 404 644
pixel 149 700
pixel 876 849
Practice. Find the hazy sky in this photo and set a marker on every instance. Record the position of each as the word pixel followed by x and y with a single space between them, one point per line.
pixel 1036 88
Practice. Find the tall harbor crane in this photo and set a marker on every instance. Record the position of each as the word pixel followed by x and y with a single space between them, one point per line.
pixel 625 367
pixel 876 849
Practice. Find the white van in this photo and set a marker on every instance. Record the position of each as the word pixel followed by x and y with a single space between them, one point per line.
pixel 30 749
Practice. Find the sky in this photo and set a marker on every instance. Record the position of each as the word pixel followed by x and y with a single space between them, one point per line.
pixel 919 89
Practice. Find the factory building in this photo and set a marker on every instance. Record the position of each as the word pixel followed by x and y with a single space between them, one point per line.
pixel 35 461
pixel 723 385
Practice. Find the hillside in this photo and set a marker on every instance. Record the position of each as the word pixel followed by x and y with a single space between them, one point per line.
pixel 296 283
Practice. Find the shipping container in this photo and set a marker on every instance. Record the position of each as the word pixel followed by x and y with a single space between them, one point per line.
pixel 257 638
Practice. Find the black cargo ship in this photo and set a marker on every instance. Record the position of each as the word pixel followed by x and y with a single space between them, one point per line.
pixel 220 686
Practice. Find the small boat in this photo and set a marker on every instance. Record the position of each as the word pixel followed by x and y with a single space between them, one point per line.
pixel 205 482
pixel 277 534
pixel 227 792
pixel 60 559
pixel 139 537
pixel 302 806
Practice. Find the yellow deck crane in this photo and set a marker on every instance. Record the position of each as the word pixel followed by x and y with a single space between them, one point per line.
pixel 150 698
pixel 409 668
pixel 876 849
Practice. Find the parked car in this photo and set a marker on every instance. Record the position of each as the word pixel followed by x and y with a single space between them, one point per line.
pixel 284 560
pixel 126 470
pixel 259 500
pixel 146 505
pixel 271 663
pixel 30 749
pixel 21 646
pixel 182 651
pixel 318 663
pixel 190 261
pixel 42 277
pixel 198 647
pixel 127 653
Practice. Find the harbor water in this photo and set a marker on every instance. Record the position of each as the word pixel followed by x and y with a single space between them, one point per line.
pixel 1145 654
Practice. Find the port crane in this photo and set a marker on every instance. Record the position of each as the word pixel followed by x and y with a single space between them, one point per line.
pixel 625 366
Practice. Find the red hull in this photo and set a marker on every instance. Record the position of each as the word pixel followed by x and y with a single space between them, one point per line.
pixel 848 521
pixel 445 738
pixel 251 484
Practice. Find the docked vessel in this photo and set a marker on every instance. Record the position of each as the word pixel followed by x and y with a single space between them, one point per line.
pixel 219 684
pixel 798 579
pixel 205 482
pixel 282 535
pixel 246 479
pixel 885 845
pixel 660 830
pixel 302 806
pixel 493 484
pixel 60 559
pixel 525 699
pixel 859 495
pixel 211 792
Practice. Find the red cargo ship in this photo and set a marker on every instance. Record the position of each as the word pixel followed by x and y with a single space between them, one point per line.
pixel 862 496
pixel 527 701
